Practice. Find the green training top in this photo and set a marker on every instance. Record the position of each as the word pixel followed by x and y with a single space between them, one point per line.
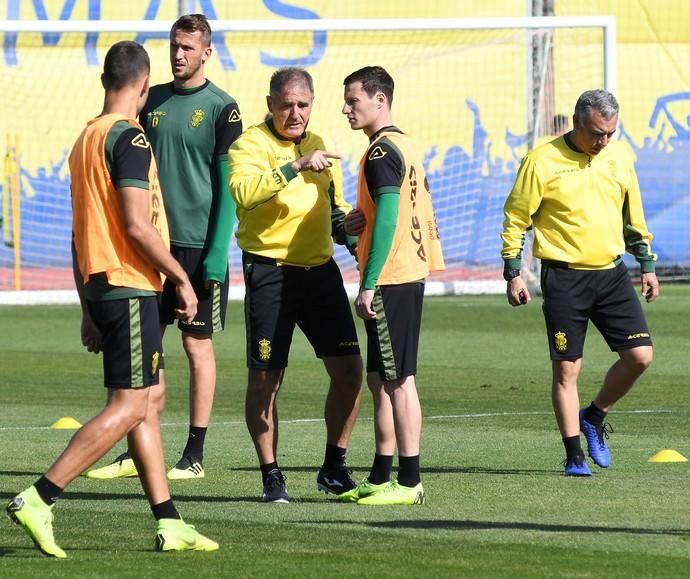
pixel 190 132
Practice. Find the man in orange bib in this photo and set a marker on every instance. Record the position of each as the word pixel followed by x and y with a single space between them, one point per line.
pixel 396 251
pixel 121 257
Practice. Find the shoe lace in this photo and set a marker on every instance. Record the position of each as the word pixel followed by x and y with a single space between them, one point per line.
pixel 603 432
pixel 577 459
pixel 276 481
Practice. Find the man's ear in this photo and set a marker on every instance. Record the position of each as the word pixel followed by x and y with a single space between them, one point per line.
pixel 145 86
pixel 207 54
pixel 380 99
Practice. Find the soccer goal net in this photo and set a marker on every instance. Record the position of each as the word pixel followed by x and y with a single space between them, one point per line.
pixel 475 95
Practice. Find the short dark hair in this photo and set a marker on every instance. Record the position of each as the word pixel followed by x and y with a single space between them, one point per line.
pixel 598 100
pixel 284 76
pixel 125 63
pixel 192 23
pixel 374 79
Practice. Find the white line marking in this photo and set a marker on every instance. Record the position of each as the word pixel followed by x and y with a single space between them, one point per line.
pixel 319 420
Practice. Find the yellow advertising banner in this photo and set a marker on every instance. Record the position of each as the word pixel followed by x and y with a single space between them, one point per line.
pixel 465 95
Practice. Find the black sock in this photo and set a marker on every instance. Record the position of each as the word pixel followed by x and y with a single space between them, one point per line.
pixel 572 447
pixel 47 490
pixel 408 471
pixel 381 469
pixel 594 415
pixel 165 510
pixel 334 457
pixel 195 442
pixel 266 468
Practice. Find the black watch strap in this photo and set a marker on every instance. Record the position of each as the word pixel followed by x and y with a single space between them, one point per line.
pixel 509 274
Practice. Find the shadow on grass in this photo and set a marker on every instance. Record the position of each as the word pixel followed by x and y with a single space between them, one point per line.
pixel 177 497
pixel 425 470
pixel 469 525
pixel 20 473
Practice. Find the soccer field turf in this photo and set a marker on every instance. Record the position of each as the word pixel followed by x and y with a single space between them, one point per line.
pixel 497 502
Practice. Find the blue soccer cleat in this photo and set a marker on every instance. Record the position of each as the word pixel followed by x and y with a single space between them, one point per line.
pixel 597 448
pixel 577 466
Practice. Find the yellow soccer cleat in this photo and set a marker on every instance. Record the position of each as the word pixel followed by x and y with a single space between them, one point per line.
pixel 363 489
pixel 187 467
pixel 122 467
pixel 396 494
pixel 176 535
pixel 28 510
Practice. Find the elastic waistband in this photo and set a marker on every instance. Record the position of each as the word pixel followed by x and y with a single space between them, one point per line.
pixel 565 265
pixel 262 259
pixel 254 258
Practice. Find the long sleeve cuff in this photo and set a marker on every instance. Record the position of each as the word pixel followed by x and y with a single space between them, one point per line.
pixel 288 172
pixel 513 263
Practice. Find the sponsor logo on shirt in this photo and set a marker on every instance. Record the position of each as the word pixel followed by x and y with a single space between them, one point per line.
pixel 234 117
pixel 613 168
pixel 140 141
pixel 156 115
pixel 415 226
pixel 377 153
pixel 275 173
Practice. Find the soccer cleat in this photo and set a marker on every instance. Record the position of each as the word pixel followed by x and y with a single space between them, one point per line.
pixel 275 489
pixel 186 468
pixel 122 467
pixel 28 510
pixel 337 480
pixel 396 494
pixel 597 448
pixel 176 535
pixel 363 489
pixel 577 466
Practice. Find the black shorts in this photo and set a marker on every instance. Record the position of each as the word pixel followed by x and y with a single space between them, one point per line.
pixel 213 301
pixel 132 346
pixel 278 297
pixel 393 336
pixel 572 297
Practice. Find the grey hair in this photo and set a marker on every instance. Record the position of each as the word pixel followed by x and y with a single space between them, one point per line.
pixel 598 100
pixel 285 76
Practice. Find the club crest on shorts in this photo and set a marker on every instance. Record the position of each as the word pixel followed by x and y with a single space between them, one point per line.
pixel 197 118
pixel 264 349
pixel 155 360
pixel 560 342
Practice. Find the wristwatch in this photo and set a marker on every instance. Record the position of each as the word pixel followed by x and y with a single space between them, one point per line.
pixel 509 274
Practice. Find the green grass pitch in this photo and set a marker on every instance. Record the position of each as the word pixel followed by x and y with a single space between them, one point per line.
pixel 497 502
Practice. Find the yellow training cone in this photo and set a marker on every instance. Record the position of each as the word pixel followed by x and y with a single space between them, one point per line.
pixel 66 423
pixel 668 455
